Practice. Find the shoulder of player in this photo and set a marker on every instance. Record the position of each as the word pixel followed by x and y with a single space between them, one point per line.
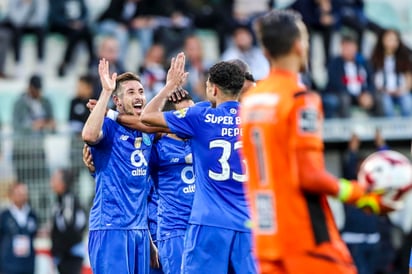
pixel 305 93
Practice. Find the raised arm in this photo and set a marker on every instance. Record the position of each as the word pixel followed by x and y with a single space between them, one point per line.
pixel 135 122
pixel 92 130
pixel 152 114
pixel 127 120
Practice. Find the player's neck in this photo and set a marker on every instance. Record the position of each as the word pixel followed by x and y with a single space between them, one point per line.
pixel 224 99
pixel 287 63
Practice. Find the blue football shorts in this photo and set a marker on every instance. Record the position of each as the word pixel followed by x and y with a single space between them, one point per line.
pixel 170 253
pixel 119 251
pixel 217 250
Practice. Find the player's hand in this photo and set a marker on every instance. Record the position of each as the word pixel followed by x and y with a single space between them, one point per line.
pixel 350 191
pixel 91 104
pixel 382 203
pixel 154 256
pixel 108 83
pixel 176 74
pixel 88 159
pixel 178 95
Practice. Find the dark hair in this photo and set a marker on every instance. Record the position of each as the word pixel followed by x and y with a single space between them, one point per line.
pixel 228 76
pixel 277 30
pixel 244 67
pixel 170 105
pixel 127 76
pixel 35 81
pixel 349 37
pixel 402 59
pixel 87 78
pixel 67 177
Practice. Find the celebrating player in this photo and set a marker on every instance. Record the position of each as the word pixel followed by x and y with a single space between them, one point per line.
pixel 119 239
pixel 173 176
pixel 218 239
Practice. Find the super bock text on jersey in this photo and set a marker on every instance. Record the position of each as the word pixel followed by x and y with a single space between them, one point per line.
pixel 218 164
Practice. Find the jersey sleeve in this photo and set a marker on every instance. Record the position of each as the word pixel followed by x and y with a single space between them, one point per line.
pixel 154 165
pixel 108 130
pixel 183 122
pixel 308 120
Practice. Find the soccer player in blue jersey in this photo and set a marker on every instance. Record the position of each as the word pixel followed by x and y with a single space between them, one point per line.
pixel 218 239
pixel 119 240
pixel 173 176
pixel 152 204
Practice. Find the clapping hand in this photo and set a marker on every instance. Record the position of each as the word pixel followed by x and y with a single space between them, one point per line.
pixel 176 74
pixel 108 83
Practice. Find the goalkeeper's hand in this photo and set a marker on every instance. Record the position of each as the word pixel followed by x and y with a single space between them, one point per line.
pixel 383 202
pixel 350 191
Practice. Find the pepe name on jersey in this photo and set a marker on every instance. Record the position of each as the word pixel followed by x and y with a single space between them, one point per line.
pixel 232 123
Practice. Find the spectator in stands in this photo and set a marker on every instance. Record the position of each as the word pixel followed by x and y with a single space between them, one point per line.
pixel 78 112
pixel 126 19
pixel 352 15
pixel 320 16
pixel 350 83
pixel 244 13
pixel 153 72
pixel 173 30
pixel 118 20
pixel 32 119
pixel 68 225
pixel 27 16
pixel 392 73
pixel 5 41
pixel 70 19
pixel 18 228
pixel 197 66
pixel 109 50
pixel 78 115
pixel 214 15
pixel 243 49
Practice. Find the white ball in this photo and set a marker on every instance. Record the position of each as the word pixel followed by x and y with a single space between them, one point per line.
pixel 384 171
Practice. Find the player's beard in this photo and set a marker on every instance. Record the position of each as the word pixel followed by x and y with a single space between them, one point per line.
pixel 130 110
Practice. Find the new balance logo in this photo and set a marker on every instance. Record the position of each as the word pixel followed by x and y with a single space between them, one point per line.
pixel 124 137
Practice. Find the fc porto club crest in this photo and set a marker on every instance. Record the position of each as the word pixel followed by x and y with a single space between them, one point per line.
pixel 146 139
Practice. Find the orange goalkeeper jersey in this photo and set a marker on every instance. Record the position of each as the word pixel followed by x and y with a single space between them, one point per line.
pixel 280 119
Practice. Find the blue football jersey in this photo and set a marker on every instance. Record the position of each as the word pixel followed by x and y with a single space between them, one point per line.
pixel 152 204
pixel 219 198
pixel 172 173
pixel 121 161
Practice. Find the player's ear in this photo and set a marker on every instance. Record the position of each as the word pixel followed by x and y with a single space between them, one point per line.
pixel 116 101
pixel 215 88
pixel 298 47
pixel 301 44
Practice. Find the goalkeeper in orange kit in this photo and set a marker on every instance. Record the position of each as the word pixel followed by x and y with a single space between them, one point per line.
pixel 294 229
